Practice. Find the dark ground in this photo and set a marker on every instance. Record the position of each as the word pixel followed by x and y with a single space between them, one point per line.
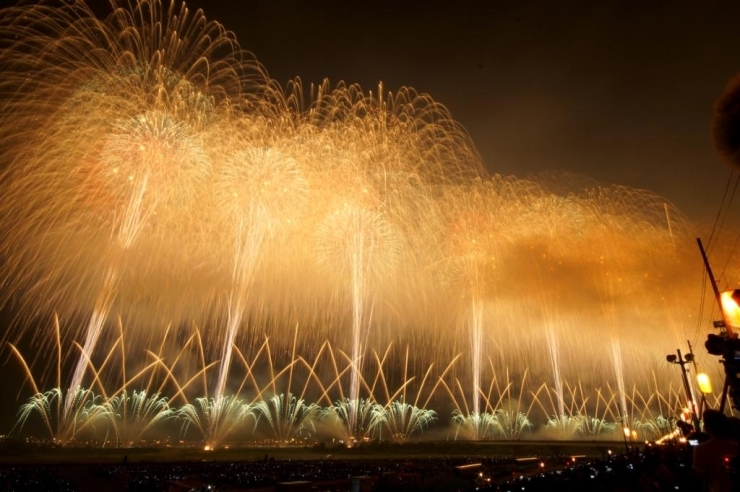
pixel 414 466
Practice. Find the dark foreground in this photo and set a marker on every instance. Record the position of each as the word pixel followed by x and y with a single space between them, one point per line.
pixel 430 467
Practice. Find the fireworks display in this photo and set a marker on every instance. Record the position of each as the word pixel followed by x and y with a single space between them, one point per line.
pixel 306 260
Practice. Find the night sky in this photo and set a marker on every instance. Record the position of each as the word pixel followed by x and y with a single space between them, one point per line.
pixel 618 91
pixel 621 92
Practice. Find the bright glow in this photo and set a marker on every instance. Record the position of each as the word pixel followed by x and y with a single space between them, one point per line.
pixel 730 308
pixel 705 384
pixel 668 437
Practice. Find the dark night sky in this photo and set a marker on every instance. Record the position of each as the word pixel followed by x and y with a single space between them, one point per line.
pixel 619 91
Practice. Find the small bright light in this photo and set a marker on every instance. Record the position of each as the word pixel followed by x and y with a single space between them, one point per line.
pixel 627 432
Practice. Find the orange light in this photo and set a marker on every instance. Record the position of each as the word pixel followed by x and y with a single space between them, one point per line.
pixel 730 307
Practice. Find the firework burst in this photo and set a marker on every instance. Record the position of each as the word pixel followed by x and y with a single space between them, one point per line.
pixel 152 173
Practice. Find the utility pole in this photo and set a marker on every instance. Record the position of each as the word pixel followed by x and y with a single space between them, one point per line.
pixel 681 361
pixel 702 382
pixel 717 294
pixel 725 326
